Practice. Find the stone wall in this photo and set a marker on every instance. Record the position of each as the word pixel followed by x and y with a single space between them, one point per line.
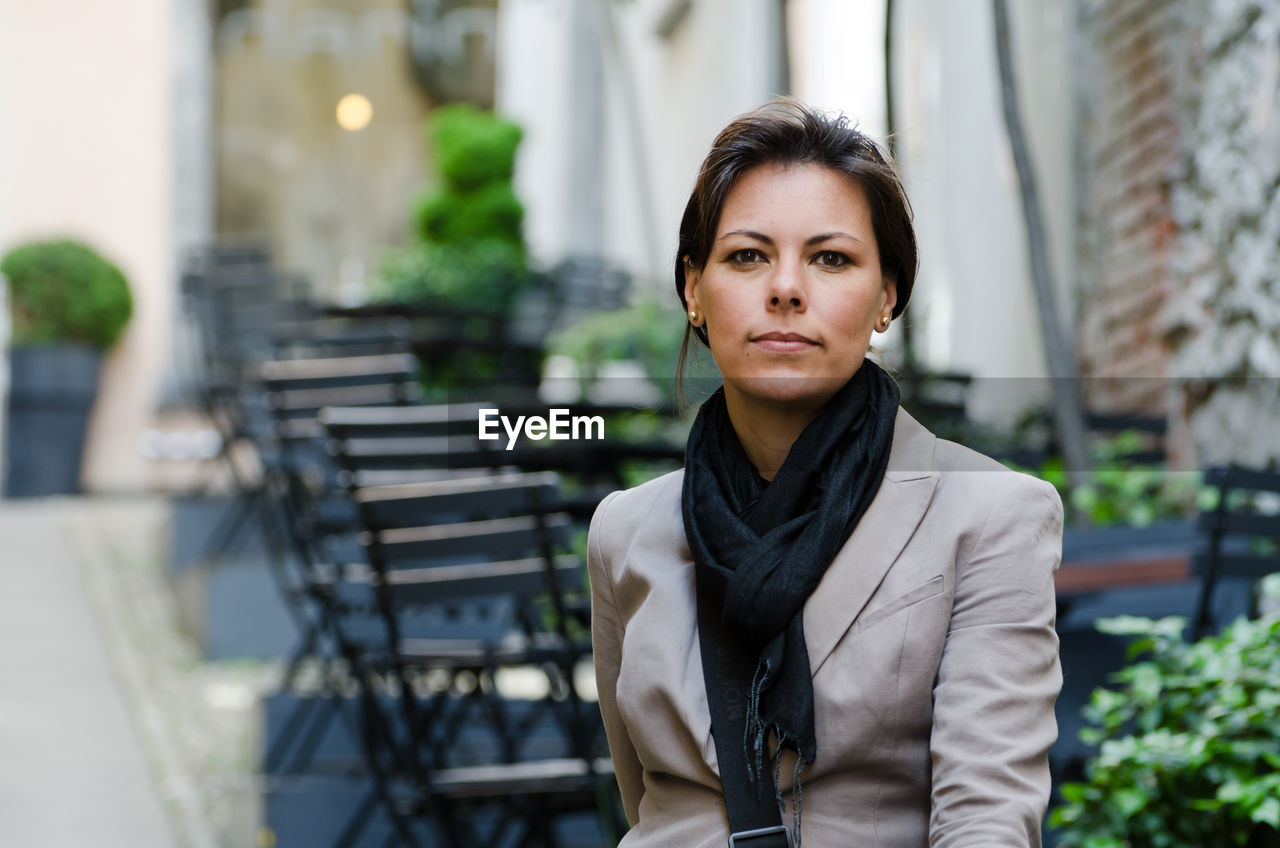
pixel 1179 306
pixel 328 200
pixel 1224 324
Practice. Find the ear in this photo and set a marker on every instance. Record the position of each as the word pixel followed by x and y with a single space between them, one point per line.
pixel 890 293
pixel 691 278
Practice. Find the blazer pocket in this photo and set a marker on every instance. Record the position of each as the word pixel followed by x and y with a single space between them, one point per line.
pixel 923 592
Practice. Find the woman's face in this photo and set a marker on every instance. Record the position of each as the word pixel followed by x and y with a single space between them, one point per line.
pixel 792 288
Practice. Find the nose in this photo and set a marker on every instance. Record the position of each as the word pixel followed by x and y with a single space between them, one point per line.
pixel 787 287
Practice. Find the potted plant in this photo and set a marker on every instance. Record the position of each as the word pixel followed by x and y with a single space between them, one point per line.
pixel 68 305
pixel 1188 744
pixel 467 263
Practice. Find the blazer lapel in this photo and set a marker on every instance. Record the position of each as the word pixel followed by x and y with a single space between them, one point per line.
pixel 874 546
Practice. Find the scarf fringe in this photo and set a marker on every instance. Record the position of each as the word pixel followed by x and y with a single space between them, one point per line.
pixel 797 797
pixel 756 731
pixel 777 777
pixel 757 734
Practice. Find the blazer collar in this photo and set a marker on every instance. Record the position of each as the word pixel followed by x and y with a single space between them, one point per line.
pixel 874 546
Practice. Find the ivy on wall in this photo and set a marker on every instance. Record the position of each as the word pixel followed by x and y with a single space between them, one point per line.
pixel 1224 321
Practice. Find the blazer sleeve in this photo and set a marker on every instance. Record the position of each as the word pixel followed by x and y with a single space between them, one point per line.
pixel 993 720
pixel 606 647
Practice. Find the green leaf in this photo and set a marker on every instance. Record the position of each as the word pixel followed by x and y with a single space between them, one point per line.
pixel 1232 792
pixel 1129 801
pixel 1073 792
pixel 1189 744
pixel 1268 812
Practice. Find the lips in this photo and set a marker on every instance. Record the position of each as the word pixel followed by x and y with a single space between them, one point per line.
pixel 784 342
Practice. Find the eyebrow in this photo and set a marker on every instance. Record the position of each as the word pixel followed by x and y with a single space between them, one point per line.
pixel 818 239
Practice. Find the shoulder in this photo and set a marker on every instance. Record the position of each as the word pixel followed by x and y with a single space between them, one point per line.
pixel 630 506
pixel 969 482
pixel 976 476
pixel 651 507
pixel 1012 532
pixel 1005 526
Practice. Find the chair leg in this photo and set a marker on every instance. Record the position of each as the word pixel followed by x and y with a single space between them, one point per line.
pixel 304 621
pixel 311 741
pixel 229 533
pixel 1203 620
pixel 500 720
pixel 284 742
pixel 378 737
pixel 455 835
pixel 358 822
pixel 488 706
pixel 1204 616
pixel 306 648
pixel 299 722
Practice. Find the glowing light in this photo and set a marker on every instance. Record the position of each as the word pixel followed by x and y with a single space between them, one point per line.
pixel 354 112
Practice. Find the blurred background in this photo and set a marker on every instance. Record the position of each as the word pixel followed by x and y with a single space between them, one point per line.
pixel 211 208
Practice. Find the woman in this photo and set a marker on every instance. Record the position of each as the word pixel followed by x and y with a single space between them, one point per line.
pixel 892 591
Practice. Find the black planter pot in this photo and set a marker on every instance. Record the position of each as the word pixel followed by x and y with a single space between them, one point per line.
pixel 51 391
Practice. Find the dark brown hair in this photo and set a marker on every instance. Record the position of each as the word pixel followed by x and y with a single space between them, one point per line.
pixel 785 132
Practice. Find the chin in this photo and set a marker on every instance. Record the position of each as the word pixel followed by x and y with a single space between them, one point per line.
pixel 800 389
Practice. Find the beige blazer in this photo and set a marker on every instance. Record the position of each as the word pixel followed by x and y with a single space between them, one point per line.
pixel 932 645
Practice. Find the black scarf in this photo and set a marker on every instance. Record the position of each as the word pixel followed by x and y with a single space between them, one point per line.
pixel 763 547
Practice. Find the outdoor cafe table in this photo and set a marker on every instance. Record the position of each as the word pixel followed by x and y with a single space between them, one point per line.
pixel 1097 560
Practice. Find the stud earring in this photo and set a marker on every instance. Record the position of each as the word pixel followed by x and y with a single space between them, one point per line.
pixel 884 322
pixel 693 316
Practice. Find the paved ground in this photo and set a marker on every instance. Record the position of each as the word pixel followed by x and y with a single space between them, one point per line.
pixel 112 731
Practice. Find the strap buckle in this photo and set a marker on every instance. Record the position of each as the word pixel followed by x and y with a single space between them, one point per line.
pixel 739 839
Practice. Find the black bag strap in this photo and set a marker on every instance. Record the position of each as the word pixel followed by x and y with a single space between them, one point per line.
pixel 754 818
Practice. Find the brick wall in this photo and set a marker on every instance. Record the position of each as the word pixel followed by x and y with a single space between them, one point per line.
pixel 1129 73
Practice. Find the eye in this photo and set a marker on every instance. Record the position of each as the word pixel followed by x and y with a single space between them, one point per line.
pixel 746 256
pixel 832 259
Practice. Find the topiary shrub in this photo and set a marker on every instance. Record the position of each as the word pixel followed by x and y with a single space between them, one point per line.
pixel 489 213
pixel 1189 742
pixel 470 250
pixel 64 291
pixel 484 276
pixel 475 148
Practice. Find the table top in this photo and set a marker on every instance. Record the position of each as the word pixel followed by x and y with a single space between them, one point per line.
pixel 1095 576
pixel 1096 559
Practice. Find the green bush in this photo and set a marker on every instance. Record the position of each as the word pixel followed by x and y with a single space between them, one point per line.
pixel 64 291
pixel 483 275
pixel 473 148
pixel 1189 744
pixel 648 332
pixel 1124 493
pixel 1138 496
pixel 493 212
pixel 469 252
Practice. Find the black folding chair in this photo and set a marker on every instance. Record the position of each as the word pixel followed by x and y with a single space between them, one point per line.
pixel 385 444
pixel 1241 534
pixel 315 511
pixel 416 445
pixel 236 302
pixel 480 555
